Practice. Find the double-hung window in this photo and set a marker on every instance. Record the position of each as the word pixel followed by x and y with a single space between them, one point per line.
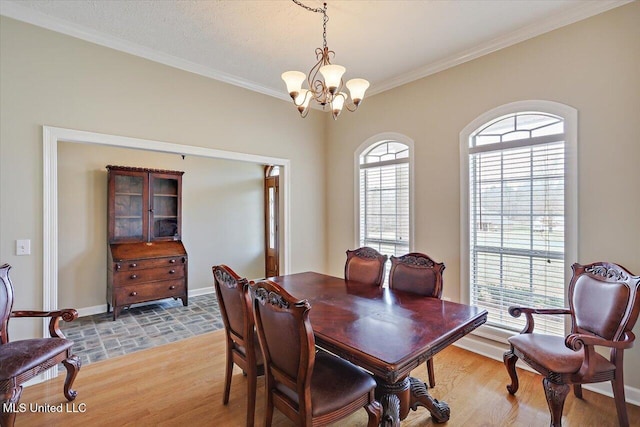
pixel 384 196
pixel 516 217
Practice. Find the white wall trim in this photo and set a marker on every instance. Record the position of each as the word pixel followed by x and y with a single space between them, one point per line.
pixel 24 14
pixel 380 137
pixel 588 9
pixel 554 22
pixel 51 136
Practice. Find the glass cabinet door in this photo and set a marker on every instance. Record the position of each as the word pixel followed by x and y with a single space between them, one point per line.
pixel 165 207
pixel 130 211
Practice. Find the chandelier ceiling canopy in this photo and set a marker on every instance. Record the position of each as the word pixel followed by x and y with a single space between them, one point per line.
pixel 328 90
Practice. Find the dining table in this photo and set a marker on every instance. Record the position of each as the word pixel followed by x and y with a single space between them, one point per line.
pixel 386 332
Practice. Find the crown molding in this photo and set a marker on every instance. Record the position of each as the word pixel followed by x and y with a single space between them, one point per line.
pixel 21 13
pixel 24 14
pixel 587 10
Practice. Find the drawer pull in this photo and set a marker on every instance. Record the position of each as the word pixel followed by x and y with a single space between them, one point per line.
pixel 133 265
pixel 172 272
pixel 172 287
pixel 134 276
pixel 172 261
pixel 133 294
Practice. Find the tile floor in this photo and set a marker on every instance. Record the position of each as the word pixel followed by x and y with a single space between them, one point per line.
pixel 99 337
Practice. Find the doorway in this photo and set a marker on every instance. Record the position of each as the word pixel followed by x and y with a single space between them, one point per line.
pixel 272 220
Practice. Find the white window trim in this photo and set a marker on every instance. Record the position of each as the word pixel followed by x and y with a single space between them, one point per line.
pixel 376 139
pixel 570 116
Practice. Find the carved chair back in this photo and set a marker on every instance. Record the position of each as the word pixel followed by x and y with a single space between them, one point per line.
pixel 287 342
pixel 604 300
pixel 234 305
pixel 365 265
pixel 6 302
pixel 417 273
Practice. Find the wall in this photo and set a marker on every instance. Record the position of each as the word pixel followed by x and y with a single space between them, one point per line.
pixel 592 65
pixel 222 205
pixel 51 79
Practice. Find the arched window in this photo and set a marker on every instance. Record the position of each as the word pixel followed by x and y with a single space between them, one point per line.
pixel 519 215
pixel 384 179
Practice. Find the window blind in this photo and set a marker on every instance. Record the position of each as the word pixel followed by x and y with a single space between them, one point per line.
pixel 384 198
pixel 516 214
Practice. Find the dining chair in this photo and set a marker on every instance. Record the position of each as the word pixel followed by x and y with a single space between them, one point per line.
pixel 242 342
pixel 419 274
pixel 604 301
pixel 23 360
pixel 311 388
pixel 365 265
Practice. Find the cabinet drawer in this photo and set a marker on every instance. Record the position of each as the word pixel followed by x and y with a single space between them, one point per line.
pixel 148 275
pixel 142 264
pixel 126 295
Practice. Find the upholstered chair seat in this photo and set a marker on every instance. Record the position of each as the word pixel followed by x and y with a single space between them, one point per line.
pixel 552 352
pixel 20 356
pixel 334 384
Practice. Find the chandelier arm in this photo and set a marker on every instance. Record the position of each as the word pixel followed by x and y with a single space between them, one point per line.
pixel 318 90
pixel 321 95
pixel 316 86
pixel 306 95
pixel 350 106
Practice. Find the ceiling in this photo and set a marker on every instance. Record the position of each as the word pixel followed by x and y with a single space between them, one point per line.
pixel 250 43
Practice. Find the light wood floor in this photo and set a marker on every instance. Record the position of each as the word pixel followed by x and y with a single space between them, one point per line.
pixel 180 384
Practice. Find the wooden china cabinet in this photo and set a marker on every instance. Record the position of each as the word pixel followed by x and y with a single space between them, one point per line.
pixel 146 258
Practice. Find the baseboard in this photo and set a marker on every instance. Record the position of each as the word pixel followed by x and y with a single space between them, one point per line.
pixel 102 308
pixel 201 291
pixel 90 311
pixel 495 352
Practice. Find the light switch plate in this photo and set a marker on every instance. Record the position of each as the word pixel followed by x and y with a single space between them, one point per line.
pixel 23 247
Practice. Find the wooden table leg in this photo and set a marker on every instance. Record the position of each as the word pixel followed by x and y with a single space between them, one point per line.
pixel 407 394
pixel 440 411
pixel 394 398
pixel 390 411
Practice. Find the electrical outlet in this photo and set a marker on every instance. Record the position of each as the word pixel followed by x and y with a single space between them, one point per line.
pixel 23 247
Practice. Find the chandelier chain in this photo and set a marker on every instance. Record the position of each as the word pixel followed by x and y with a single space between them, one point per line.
pixel 325 18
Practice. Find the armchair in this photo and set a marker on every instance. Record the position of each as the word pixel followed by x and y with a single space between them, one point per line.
pixel 24 359
pixel 603 305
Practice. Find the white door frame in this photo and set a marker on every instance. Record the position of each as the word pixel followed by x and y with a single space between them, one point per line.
pixel 50 138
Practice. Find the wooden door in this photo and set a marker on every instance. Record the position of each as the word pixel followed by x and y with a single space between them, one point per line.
pixel 271 224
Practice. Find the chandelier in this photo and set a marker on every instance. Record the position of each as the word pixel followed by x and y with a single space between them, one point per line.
pixel 327 91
